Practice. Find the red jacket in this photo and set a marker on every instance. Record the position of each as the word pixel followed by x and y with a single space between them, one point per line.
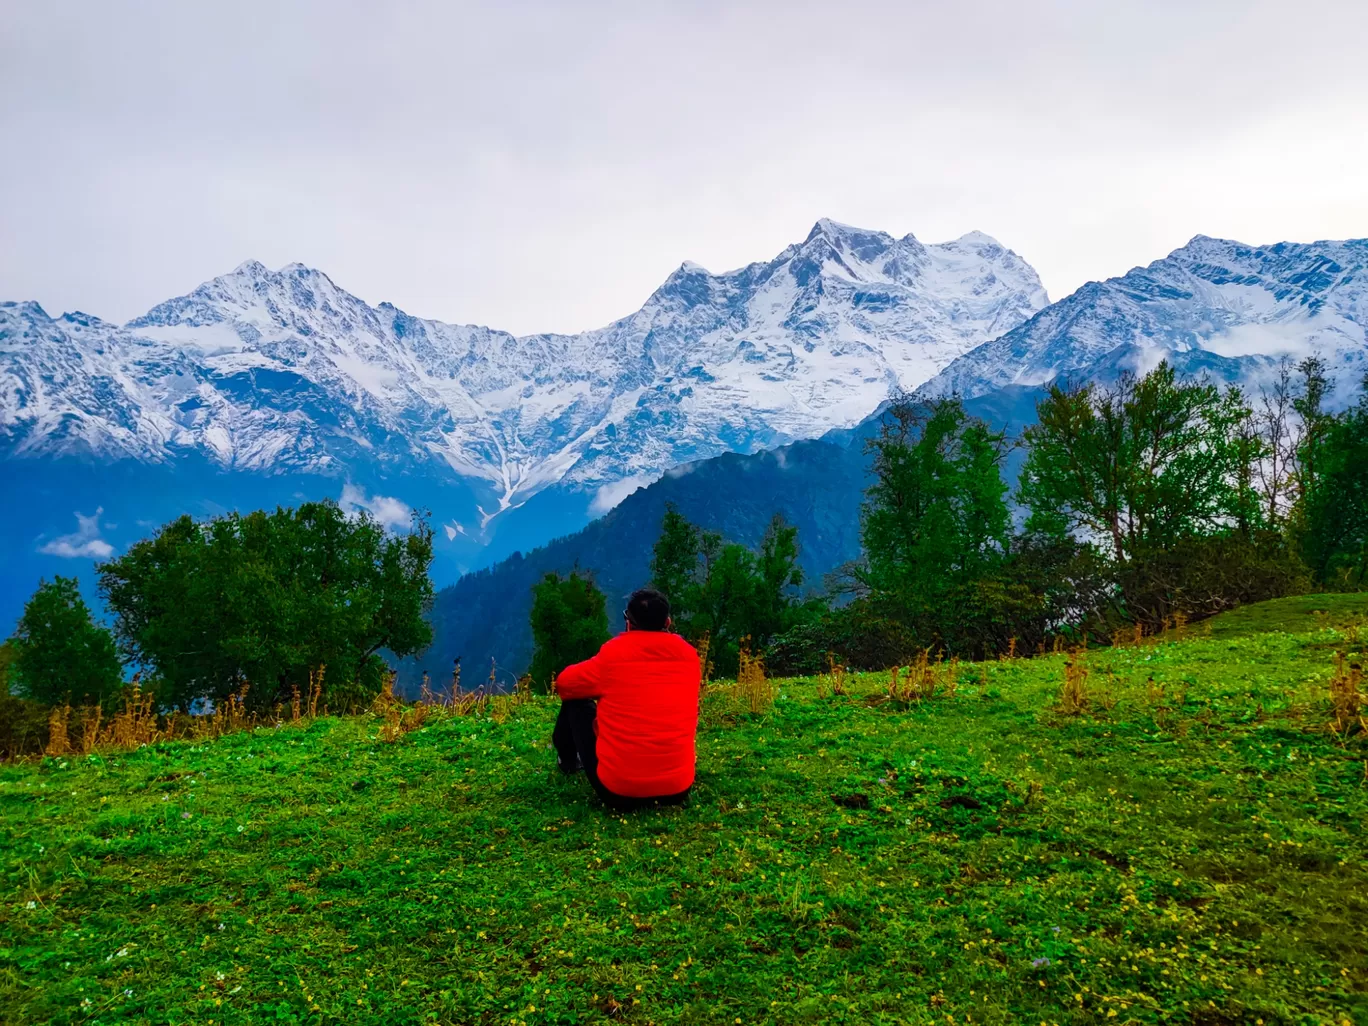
pixel 646 683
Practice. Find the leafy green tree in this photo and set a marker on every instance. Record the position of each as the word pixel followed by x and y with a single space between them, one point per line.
pixel 569 624
pixel 60 653
pixel 1314 422
pixel 1141 465
pixel 724 590
pixel 777 576
pixel 936 517
pixel 674 560
pixel 1335 532
pixel 267 598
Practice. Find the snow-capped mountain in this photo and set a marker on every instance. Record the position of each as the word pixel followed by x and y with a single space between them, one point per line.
pixel 283 371
pixel 1213 305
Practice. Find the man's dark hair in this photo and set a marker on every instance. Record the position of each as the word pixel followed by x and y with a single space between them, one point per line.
pixel 648 610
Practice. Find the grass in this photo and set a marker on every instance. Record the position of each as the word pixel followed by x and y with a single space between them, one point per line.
pixel 1188 849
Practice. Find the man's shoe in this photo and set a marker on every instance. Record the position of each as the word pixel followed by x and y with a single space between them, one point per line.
pixel 569 768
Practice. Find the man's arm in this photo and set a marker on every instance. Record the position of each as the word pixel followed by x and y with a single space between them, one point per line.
pixel 582 680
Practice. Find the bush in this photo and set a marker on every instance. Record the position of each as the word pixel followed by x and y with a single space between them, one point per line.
pixel 1202 576
pixel 23 726
pixel 855 635
pixel 60 653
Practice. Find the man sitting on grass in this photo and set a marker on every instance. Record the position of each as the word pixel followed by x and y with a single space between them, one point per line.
pixel 629 715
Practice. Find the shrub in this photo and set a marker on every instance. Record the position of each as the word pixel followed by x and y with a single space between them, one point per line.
pixel 856 634
pixel 1199 577
pixel 60 653
pixel 23 726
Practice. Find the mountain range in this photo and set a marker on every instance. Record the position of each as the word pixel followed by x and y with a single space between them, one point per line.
pixel 268 386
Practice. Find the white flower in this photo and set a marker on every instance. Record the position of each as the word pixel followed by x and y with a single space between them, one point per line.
pixel 31 904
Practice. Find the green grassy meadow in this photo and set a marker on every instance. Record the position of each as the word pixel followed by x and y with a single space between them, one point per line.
pixel 1191 850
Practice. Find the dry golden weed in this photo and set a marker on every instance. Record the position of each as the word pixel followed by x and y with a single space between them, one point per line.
pixel 924 679
pixel 1073 694
pixel 1347 701
pixel 836 675
pixel 58 743
pixel 705 666
pixel 755 690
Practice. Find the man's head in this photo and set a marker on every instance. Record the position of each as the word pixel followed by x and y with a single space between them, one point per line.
pixel 647 610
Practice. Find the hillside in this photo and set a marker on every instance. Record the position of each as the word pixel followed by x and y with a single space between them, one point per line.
pixel 1188 851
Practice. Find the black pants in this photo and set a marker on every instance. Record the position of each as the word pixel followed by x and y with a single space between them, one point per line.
pixel 574 737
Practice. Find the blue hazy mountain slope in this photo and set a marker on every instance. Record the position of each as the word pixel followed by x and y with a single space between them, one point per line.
pixel 817 485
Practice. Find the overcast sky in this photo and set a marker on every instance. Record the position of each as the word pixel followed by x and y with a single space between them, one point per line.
pixel 544 166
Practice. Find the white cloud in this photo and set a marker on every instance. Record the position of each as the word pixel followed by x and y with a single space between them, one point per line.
pixel 391 512
pixel 453 529
pixel 611 494
pixel 85 543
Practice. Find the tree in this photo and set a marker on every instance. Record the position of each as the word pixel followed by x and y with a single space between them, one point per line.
pixel 1142 464
pixel 266 599
pixel 60 653
pixel 1274 424
pixel 569 624
pixel 936 517
pixel 1334 538
pixel 1314 423
pixel 726 591
pixel 674 559
pixel 777 574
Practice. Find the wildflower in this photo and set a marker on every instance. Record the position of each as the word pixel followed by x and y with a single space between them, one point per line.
pixel 31 904
pixel 185 815
pixel 241 828
pixel 1040 963
pixel 1055 930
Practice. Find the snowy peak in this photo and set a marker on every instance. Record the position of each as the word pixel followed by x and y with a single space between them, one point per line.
pixel 1235 308
pixel 282 370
